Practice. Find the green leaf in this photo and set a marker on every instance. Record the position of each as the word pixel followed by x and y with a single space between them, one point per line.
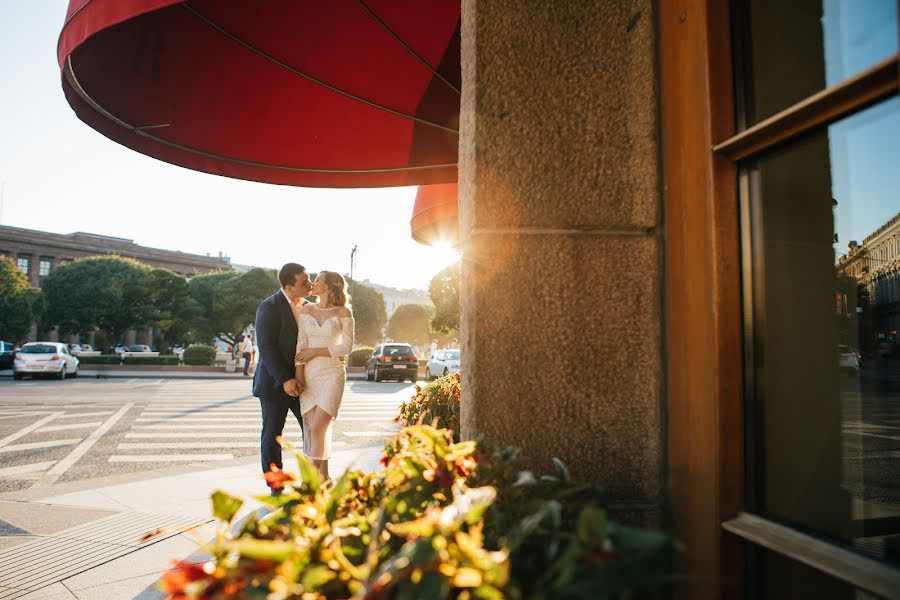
pixel 308 473
pixel 337 493
pixel 562 470
pixel 264 549
pixel 225 506
pixel 591 527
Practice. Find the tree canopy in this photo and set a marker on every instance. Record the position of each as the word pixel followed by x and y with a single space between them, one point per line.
pixel 444 292
pixel 227 301
pixel 369 312
pixel 109 293
pixel 20 304
pixel 175 309
pixel 410 323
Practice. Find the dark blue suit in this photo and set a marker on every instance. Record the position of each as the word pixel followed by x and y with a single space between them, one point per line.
pixel 276 336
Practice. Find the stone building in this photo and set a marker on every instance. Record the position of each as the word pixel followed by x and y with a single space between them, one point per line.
pixel 875 265
pixel 36 253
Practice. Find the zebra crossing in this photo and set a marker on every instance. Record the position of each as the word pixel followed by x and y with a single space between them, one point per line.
pixel 100 428
pixel 206 426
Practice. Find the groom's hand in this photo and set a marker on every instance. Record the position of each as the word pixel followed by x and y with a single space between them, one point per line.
pixel 291 388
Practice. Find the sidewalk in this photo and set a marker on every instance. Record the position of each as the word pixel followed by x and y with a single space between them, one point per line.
pixel 82 540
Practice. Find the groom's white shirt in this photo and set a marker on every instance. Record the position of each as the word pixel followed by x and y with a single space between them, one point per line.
pixel 295 307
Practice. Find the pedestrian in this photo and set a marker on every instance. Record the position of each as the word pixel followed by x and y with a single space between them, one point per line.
pixel 246 348
pixel 274 382
pixel 434 345
pixel 454 344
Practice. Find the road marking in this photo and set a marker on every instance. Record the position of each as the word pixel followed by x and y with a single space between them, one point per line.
pixel 81 449
pixel 192 426
pixel 367 433
pixel 197 434
pixel 184 445
pixel 90 414
pixel 22 469
pixel 375 419
pixel 191 420
pixel 39 445
pixel 29 429
pixel 195 445
pixel 69 426
pixel 168 457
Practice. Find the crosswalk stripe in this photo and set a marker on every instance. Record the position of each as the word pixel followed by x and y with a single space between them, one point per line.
pixel 197 445
pixel 39 445
pixel 137 458
pixel 368 433
pixel 69 426
pixel 191 426
pixel 191 420
pixel 193 435
pixel 89 414
pixel 22 469
pixel 26 430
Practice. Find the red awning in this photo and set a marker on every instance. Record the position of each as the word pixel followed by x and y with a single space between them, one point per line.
pixel 343 93
pixel 434 219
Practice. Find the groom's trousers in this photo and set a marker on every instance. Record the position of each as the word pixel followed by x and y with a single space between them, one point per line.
pixel 274 414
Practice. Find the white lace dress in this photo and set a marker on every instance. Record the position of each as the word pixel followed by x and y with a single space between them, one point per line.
pixel 325 375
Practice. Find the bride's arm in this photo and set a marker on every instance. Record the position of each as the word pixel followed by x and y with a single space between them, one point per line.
pixel 346 344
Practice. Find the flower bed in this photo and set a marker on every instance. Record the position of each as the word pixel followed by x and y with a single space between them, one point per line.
pixel 442 520
pixel 436 404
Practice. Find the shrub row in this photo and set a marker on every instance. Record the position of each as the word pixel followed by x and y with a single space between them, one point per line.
pixel 359 357
pixel 199 354
pixel 442 520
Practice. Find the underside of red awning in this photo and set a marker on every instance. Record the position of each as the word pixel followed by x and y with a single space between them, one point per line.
pixel 434 220
pixel 343 93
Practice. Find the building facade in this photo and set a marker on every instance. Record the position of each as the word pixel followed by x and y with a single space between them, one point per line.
pixel 394 298
pixel 36 253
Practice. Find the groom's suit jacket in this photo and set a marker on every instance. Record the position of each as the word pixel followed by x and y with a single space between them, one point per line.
pixel 276 336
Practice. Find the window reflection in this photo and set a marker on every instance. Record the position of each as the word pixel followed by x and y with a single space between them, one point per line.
pixel 803 46
pixel 826 308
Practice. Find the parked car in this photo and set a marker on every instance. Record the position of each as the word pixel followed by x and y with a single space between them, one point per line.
pixel 440 363
pixel 44 358
pixel 74 348
pixel 6 356
pixel 138 348
pixel 848 359
pixel 392 361
pixel 120 348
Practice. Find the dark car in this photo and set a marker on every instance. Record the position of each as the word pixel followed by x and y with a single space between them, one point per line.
pixel 392 361
pixel 7 355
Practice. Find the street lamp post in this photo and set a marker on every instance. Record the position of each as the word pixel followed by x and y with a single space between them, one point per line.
pixel 352 261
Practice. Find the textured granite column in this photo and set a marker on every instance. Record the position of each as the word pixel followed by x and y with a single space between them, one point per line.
pixel 560 224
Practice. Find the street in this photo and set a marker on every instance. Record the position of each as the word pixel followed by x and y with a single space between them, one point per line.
pixel 63 431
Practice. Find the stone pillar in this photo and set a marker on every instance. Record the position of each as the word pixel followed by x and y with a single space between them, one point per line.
pixel 560 206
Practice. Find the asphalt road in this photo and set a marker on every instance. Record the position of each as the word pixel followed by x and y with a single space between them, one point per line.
pixel 61 431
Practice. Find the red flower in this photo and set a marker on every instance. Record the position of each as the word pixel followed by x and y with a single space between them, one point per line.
pixel 182 574
pixel 276 478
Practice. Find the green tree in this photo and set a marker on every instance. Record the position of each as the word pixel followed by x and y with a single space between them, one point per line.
pixel 20 304
pixel 444 292
pixel 227 302
pixel 369 312
pixel 410 323
pixel 175 309
pixel 107 293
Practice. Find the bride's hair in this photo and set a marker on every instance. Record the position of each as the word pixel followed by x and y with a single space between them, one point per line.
pixel 337 288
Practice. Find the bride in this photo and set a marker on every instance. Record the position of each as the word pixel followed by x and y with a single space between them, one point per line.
pixel 324 335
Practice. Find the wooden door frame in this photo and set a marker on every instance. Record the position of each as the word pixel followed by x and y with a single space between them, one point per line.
pixel 703 295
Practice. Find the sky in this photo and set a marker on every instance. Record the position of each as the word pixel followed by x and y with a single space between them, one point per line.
pixel 59 175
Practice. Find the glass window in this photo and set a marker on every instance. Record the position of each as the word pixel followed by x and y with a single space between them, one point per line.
pixel 44 267
pixel 22 263
pixel 803 46
pixel 826 357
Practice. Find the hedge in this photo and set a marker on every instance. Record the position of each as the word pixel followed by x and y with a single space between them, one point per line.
pixel 198 354
pixel 150 360
pixel 359 357
pixel 103 359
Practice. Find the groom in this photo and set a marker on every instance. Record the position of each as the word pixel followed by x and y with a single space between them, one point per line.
pixel 274 383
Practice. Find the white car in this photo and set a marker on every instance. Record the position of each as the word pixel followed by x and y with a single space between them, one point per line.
pixel 848 359
pixel 440 363
pixel 44 358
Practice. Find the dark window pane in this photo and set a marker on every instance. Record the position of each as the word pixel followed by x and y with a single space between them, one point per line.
pixel 783 578
pixel 795 49
pixel 826 309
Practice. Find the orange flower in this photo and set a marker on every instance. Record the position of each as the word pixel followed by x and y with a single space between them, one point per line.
pixel 182 574
pixel 276 478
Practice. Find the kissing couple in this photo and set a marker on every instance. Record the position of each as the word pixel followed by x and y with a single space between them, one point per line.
pixel 302 346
